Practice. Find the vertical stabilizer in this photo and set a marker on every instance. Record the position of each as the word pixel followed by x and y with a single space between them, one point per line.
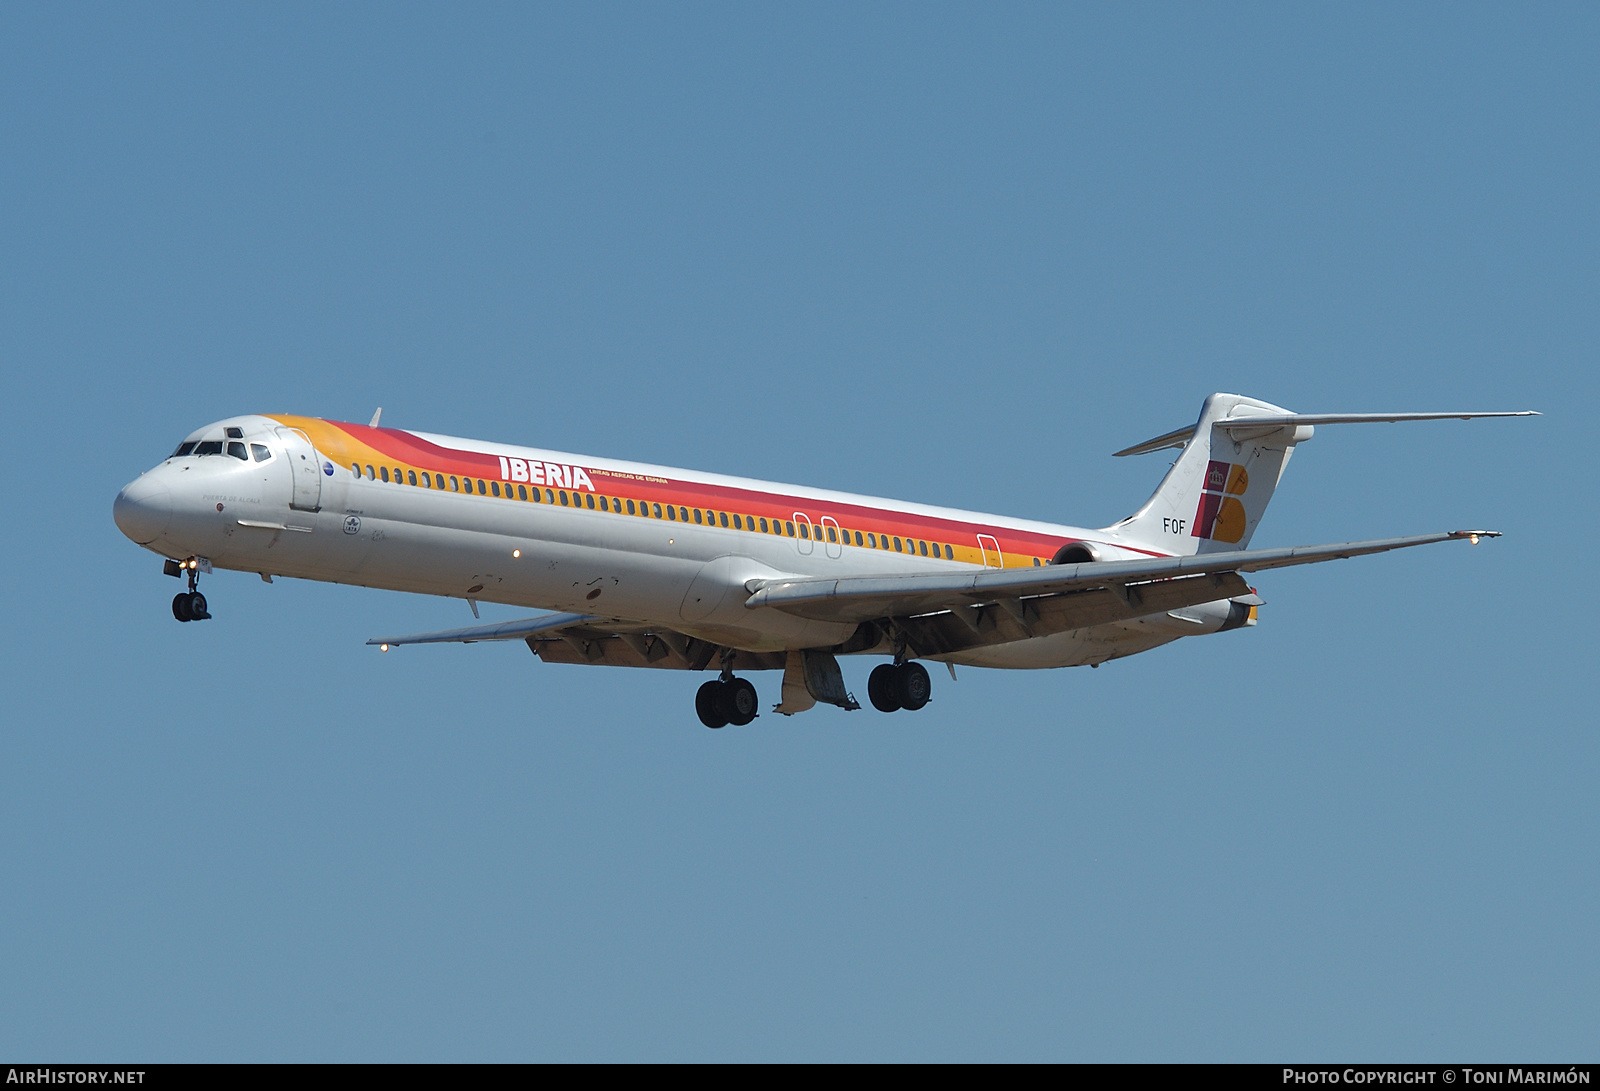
pixel 1216 492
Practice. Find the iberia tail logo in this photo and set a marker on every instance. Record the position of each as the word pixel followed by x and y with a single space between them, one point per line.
pixel 1220 515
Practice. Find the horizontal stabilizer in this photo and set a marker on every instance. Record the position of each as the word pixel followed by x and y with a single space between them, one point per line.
pixel 1182 436
pixel 520 629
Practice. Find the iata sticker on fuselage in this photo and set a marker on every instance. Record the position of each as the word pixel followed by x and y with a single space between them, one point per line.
pixel 544 473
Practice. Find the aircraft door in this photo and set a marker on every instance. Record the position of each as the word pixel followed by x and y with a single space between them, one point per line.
pixel 830 544
pixel 306 467
pixel 805 543
pixel 992 557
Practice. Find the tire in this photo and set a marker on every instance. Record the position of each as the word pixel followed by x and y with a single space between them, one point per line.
pixel 914 687
pixel 180 606
pixel 739 702
pixel 197 607
pixel 883 688
pixel 708 705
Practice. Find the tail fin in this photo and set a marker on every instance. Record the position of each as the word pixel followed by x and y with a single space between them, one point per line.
pixel 1216 492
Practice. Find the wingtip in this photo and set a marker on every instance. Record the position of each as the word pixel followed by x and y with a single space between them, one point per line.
pixel 1473 535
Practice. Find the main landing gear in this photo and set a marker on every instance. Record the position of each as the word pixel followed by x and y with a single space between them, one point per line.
pixel 893 686
pixel 189 606
pixel 726 700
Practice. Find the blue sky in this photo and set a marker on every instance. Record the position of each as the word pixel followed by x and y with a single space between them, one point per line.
pixel 952 254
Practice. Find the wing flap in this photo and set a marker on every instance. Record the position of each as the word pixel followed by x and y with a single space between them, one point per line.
pixel 961 628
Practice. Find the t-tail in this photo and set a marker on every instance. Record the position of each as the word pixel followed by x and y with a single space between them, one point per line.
pixel 1232 459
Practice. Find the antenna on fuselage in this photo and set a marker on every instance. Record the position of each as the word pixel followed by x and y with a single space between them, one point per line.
pixel 375 416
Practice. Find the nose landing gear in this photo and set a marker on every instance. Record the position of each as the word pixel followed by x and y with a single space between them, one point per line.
pixel 190 606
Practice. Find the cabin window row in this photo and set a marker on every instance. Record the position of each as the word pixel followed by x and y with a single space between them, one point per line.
pixel 652 509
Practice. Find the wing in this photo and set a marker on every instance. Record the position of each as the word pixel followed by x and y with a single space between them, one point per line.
pixel 520 629
pixel 937 614
pixel 589 638
pixel 1155 582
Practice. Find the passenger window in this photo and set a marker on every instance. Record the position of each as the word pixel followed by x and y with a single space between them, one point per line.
pixel 897 545
pixel 588 498
pixel 858 538
pixel 355 469
pixel 603 505
pixel 1036 562
pixel 789 527
pixel 656 509
pixel 481 489
pixel 549 496
pixel 831 536
pixel 494 486
pixel 411 477
pixel 683 514
pixel 763 524
pixel 235 433
pixel 384 472
pixel 455 486
pixel 183 449
pixel 631 508
pixel 949 554
pixel 372 475
pixel 736 525
pixel 923 547
pixel 672 512
pixel 398 480
pixel 872 541
pixel 697 515
pixel 522 492
pixel 805 530
pixel 261 453
pixel 564 501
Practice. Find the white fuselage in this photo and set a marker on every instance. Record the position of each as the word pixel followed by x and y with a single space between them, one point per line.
pixel 334 523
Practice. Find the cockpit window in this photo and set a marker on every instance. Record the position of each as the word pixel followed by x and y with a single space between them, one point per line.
pixel 237 450
pixel 183 449
pixel 209 447
pixel 235 433
pixel 261 453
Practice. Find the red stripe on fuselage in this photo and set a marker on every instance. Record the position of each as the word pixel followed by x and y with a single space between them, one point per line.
pixel 424 454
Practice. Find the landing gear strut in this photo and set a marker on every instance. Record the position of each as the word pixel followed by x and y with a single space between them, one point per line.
pixel 722 702
pixel 895 686
pixel 190 606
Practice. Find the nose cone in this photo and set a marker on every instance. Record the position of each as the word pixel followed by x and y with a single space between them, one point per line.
pixel 143 510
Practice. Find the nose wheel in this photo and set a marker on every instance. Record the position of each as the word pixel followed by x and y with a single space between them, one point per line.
pixel 188 605
pixel 722 702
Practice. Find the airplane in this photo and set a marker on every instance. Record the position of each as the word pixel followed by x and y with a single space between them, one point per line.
pixel 649 566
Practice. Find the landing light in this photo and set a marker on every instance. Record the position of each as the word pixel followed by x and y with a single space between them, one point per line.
pixel 1473 538
pixel 516 552
pixel 383 647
